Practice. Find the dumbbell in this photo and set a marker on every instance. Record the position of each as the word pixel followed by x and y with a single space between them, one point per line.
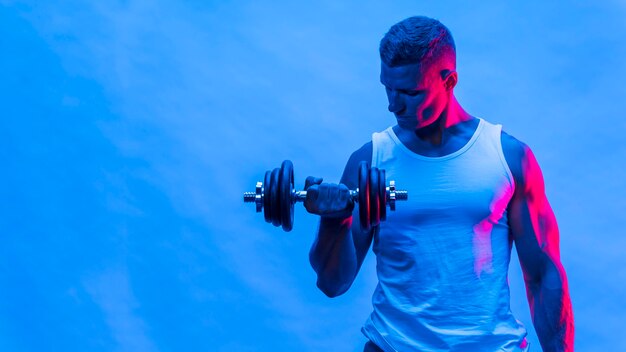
pixel 276 195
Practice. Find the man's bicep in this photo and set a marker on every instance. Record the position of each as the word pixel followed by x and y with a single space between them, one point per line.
pixel 532 221
pixel 535 236
pixel 362 239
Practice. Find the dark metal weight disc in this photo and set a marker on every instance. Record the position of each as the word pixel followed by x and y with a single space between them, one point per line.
pixel 266 196
pixel 364 196
pixel 275 198
pixel 286 183
pixel 374 204
pixel 382 194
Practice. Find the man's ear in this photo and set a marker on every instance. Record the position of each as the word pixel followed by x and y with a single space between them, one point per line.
pixel 450 79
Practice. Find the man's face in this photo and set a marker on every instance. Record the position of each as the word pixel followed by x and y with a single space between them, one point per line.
pixel 417 95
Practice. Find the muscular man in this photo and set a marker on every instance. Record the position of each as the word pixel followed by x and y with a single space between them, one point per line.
pixel 443 256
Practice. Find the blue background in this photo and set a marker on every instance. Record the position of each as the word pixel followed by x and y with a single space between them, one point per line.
pixel 129 130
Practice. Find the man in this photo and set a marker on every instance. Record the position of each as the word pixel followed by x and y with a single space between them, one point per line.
pixel 443 256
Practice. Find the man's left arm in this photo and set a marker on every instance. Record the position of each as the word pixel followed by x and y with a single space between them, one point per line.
pixel 536 234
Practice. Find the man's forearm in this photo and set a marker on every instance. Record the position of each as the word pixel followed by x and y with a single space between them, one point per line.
pixel 551 311
pixel 333 256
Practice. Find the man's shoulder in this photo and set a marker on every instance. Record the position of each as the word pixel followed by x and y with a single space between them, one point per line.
pixel 512 145
pixel 515 153
pixel 364 153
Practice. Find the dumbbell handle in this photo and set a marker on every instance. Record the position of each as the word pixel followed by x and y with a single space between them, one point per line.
pixel 300 196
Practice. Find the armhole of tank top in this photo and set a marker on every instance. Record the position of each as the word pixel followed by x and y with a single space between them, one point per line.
pixel 505 164
pixel 374 161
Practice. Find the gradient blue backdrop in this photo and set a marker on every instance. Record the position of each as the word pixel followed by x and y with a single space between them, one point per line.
pixel 129 130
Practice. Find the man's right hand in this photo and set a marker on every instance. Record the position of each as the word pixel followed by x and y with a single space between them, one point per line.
pixel 328 200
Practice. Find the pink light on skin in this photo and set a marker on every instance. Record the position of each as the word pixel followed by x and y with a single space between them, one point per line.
pixel 536 234
pixel 541 214
pixel 483 254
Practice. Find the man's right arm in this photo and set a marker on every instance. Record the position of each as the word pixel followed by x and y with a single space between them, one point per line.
pixel 340 246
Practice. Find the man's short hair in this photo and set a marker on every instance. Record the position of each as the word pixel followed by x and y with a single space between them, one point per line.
pixel 417 39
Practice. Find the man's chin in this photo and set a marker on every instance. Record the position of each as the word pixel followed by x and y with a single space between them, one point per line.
pixel 411 123
pixel 407 122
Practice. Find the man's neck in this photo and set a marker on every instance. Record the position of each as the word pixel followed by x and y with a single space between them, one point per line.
pixel 448 124
pixel 450 132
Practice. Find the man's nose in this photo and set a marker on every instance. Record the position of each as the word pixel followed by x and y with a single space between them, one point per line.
pixel 396 104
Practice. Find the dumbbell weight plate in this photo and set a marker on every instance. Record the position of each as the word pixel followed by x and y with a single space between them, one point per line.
pixel 286 183
pixel 267 214
pixel 275 198
pixel 374 202
pixel 382 195
pixel 364 196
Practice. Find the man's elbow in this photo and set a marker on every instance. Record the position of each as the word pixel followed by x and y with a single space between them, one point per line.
pixel 333 289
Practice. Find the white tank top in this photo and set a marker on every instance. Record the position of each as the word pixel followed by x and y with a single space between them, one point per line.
pixel 442 257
